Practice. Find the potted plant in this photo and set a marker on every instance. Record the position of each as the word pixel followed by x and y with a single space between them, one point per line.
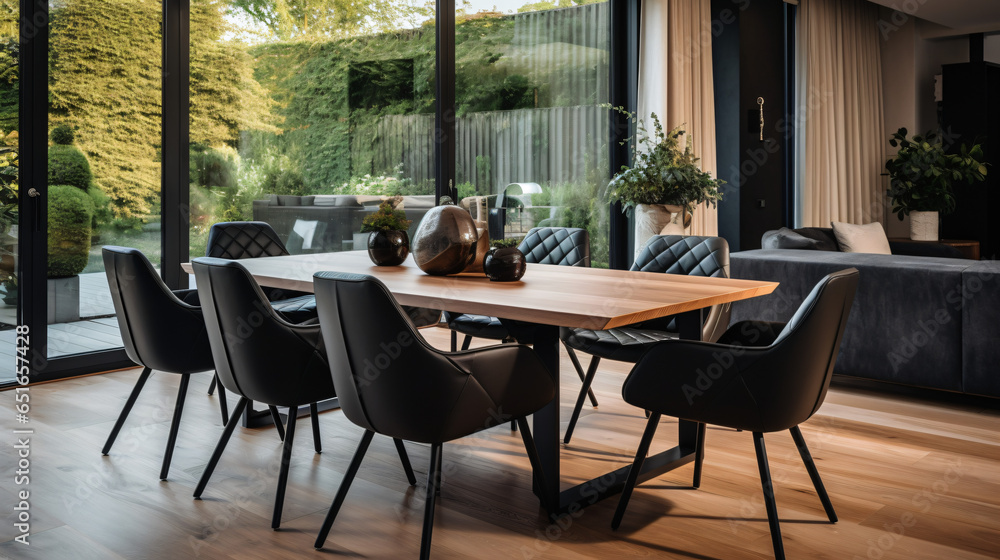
pixel 505 262
pixel 663 184
pixel 921 178
pixel 388 243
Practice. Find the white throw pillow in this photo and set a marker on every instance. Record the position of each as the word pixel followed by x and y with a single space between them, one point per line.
pixel 869 238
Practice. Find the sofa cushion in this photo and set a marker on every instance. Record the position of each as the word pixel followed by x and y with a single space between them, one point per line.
pixel 869 238
pixel 332 200
pixel 289 200
pixel 419 201
pixel 904 326
pixel 827 241
pixel 785 238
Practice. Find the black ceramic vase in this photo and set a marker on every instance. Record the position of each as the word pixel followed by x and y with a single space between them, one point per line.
pixel 388 248
pixel 505 265
pixel 445 241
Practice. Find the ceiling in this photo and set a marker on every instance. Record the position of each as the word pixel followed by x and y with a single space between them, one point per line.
pixel 967 16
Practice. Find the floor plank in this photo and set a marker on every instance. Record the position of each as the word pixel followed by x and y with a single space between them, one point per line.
pixel 886 460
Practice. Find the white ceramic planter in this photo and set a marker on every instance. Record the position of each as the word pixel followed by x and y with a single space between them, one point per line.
pixel 924 226
pixel 656 219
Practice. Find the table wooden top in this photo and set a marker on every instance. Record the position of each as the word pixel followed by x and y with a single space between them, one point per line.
pixel 553 295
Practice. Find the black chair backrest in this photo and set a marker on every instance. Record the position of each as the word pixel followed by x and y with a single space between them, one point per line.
pixel 244 240
pixel 761 389
pixel 257 353
pixel 679 254
pixel 158 330
pixel 388 378
pixel 557 245
pixel 694 256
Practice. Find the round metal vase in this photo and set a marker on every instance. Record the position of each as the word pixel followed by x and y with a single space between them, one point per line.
pixel 388 248
pixel 445 242
pixel 505 265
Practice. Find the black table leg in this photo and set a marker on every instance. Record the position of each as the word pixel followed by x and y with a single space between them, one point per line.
pixel 545 422
pixel 546 428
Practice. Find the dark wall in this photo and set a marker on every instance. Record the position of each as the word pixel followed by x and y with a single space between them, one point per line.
pixel 749 59
pixel 970 113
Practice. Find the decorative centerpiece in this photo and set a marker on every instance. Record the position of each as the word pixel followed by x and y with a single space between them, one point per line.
pixel 921 178
pixel 664 184
pixel 445 241
pixel 388 243
pixel 505 262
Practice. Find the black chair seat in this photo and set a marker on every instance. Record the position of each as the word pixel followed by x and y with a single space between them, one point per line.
pixel 625 344
pixel 297 309
pixel 481 326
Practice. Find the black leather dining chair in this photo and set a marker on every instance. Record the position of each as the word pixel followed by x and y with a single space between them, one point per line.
pixel 670 254
pixel 561 246
pixel 392 382
pixel 161 330
pixel 262 357
pixel 759 377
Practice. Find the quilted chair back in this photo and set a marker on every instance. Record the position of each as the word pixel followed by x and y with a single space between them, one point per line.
pixel 244 240
pixel 693 256
pixel 557 245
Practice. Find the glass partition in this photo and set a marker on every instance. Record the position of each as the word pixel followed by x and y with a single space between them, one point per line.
pixel 532 93
pixel 307 122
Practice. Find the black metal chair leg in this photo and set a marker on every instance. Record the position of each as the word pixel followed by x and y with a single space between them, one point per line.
pixel 513 425
pixel 223 403
pixel 314 412
pixel 211 389
pixel 454 341
pixel 345 485
pixel 699 454
pixel 128 408
pixel 433 484
pixel 579 371
pixel 286 458
pixel 467 342
pixel 587 381
pixel 633 472
pixel 440 461
pixel 221 446
pixel 276 418
pixel 800 444
pixel 175 425
pixel 405 459
pixel 769 502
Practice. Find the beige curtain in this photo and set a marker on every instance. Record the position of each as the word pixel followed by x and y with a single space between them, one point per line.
pixel 675 80
pixel 840 126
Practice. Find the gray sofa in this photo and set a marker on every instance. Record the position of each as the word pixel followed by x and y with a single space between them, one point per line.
pixel 923 321
pixel 326 223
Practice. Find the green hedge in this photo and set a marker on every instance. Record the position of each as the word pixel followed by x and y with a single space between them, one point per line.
pixel 70 213
pixel 68 166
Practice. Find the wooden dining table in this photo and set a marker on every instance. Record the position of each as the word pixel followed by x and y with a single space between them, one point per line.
pixel 549 297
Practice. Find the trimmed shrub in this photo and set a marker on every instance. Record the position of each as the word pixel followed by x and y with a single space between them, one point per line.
pixel 70 214
pixel 62 135
pixel 102 208
pixel 68 166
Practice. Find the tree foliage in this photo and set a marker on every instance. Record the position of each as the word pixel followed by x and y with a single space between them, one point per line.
pixel 296 19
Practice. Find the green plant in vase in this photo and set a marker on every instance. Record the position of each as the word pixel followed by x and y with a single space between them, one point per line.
pixel 388 242
pixel 922 176
pixel 664 182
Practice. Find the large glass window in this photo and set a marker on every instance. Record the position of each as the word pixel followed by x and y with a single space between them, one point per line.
pixel 103 160
pixel 9 67
pixel 306 118
pixel 531 94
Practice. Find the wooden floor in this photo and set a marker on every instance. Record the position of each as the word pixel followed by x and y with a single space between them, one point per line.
pixel 910 478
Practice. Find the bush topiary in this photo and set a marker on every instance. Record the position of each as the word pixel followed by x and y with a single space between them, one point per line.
pixel 68 166
pixel 70 214
pixel 62 135
pixel 102 208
